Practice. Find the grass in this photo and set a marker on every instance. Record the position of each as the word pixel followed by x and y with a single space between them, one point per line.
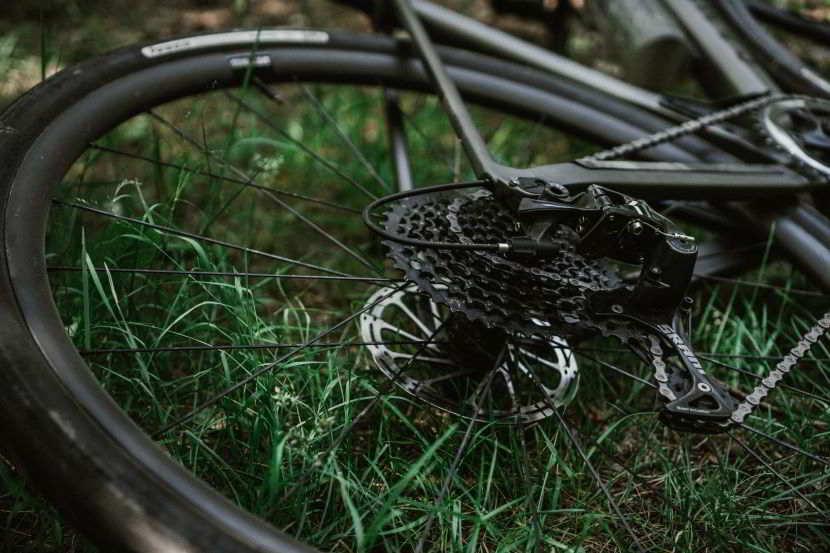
pixel 275 444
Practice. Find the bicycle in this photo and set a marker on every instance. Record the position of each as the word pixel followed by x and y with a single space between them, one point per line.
pixel 502 298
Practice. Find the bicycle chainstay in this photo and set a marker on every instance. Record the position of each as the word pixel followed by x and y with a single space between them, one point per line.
pixel 566 293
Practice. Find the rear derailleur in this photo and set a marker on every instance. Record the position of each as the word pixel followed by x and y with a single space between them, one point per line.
pixel 650 305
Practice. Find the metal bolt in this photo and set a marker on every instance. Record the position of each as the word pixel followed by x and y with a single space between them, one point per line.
pixel 635 228
pixel 703 387
pixel 617 308
pixel 656 271
pixel 556 190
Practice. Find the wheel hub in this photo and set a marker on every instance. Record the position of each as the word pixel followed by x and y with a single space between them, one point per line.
pixel 473 344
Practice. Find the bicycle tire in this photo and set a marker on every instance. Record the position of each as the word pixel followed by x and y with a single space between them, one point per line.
pixel 97 466
pixel 791 73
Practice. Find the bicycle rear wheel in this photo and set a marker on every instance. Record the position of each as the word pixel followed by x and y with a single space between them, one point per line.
pixel 181 229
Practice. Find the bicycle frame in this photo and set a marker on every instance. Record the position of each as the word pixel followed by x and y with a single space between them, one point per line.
pixel 677 181
pixel 810 246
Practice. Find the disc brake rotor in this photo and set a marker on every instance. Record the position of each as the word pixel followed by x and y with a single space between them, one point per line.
pixel 443 359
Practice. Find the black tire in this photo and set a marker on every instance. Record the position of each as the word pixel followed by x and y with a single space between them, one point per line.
pixel 60 427
pixel 790 72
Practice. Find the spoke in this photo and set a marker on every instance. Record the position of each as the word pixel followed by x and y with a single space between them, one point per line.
pixel 200 238
pixel 742 249
pixel 541 360
pixel 271 366
pixel 224 178
pixel 574 440
pixel 524 467
pixel 434 360
pixel 618 370
pixel 230 274
pixel 759 357
pixel 530 372
pixel 777 474
pixel 459 454
pixel 448 376
pixel 314 155
pixel 530 505
pixel 751 284
pixel 513 366
pixel 249 180
pixel 781 385
pixel 267 91
pixel 380 395
pixel 750 357
pixel 769 437
pixel 428 143
pixel 346 140
pixel 687 517
pixel 231 347
pixel 788 445
pixel 325 234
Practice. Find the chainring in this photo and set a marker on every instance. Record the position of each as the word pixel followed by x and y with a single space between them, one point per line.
pixel 800 128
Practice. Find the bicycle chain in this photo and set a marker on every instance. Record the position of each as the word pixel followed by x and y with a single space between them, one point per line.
pixel 659 365
pixel 768 384
pixel 685 128
pixel 784 366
